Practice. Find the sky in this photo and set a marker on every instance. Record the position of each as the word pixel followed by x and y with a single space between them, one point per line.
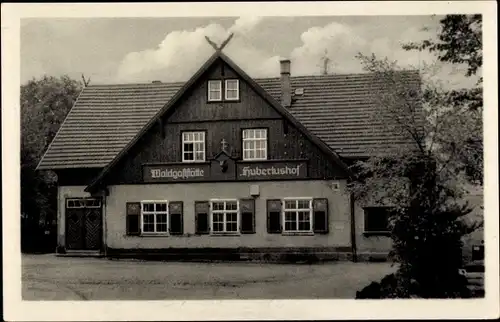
pixel 138 50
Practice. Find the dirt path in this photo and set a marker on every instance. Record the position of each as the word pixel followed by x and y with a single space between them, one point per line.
pixel 46 277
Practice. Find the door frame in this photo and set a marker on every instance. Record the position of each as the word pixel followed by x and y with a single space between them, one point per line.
pixel 100 207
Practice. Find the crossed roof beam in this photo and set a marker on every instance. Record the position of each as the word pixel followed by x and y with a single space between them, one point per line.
pixel 224 43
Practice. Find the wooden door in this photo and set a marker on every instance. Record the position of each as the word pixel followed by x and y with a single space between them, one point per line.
pixel 92 230
pixel 74 228
pixel 83 224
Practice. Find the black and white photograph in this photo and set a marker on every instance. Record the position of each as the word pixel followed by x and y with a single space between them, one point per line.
pixel 253 155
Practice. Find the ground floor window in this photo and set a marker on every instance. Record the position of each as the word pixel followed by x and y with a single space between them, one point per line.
pixel 377 219
pixel 154 216
pixel 297 215
pixel 224 216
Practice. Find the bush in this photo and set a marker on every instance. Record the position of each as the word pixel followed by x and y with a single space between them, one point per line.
pixel 34 238
pixel 392 286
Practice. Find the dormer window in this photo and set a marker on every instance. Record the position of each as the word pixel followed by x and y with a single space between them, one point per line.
pixel 232 87
pixel 214 91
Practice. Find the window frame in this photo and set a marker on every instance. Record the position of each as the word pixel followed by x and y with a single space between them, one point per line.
pixel 204 150
pixel 254 139
pixel 284 210
pixel 368 232
pixel 209 91
pixel 154 213
pixel 225 212
pixel 237 98
pixel 86 203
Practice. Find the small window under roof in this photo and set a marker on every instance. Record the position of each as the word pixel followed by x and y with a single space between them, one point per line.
pixel 299 91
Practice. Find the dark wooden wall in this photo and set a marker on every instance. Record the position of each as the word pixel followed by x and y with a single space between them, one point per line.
pixel 154 148
pixel 223 120
pixel 195 107
pixel 76 177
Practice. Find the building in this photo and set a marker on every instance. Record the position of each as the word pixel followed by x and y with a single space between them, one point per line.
pixel 221 164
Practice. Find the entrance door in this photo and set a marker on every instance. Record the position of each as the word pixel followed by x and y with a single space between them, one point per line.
pixel 83 224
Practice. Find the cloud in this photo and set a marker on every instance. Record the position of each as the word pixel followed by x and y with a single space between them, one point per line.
pixel 181 53
pixel 177 56
pixel 245 24
pixel 340 43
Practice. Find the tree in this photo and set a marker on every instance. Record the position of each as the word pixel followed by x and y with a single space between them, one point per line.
pixel 421 180
pixel 45 102
pixel 459 41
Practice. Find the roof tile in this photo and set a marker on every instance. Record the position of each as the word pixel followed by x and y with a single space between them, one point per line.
pixel 106 117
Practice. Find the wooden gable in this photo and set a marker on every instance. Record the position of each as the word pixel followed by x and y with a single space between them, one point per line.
pixel 161 143
pixel 196 107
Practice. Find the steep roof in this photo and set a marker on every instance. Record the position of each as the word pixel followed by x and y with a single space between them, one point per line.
pixel 337 109
pixel 106 118
pixel 218 55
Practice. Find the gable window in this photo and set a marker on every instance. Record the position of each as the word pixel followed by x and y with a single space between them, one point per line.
pixel 224 216
pixel 193 146
pixel 297 215
pixel 254 144
pixel 154 217
pixel 232 90
pixel 214 90
pixel 377 220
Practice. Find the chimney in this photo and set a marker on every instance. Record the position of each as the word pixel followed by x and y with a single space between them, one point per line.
pixel 286 87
